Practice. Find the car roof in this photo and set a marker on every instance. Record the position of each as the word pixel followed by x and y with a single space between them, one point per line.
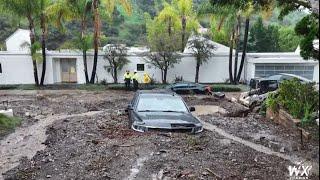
pixel 158 92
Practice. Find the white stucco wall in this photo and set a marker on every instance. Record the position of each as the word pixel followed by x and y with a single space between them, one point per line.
pixel 17 67
pixel 17 41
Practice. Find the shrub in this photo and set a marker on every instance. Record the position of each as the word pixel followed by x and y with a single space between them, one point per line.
pixel 299 99
pixel 7 123
pixel 271 101
pixel 221 88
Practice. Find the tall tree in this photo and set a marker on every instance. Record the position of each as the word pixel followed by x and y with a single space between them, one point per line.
pixel 307 28
pixel 109 6
pixel 28 10
pixel 163 42
pixel 237 10
pixel 44 21
pixel 188 19
pixel 202 49
pixel 79 10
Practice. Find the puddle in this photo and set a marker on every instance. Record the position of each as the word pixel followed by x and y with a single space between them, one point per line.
pixel 26 141
pixel 208 110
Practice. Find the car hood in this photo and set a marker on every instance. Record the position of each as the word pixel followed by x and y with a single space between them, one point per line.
pixel 167 119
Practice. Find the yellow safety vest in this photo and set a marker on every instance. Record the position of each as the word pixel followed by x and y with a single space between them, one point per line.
pixel 135 77
pixel 146 79
pixel 127 76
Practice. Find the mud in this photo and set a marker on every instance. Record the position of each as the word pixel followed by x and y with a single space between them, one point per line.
pixel 101 146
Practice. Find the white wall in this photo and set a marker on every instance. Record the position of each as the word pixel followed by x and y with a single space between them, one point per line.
pixel 18 38
pixel 17 67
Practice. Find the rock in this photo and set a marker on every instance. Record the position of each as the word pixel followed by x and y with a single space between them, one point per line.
pixel 233 160
pixel 282 150
pixel 27 114
pixel 49 176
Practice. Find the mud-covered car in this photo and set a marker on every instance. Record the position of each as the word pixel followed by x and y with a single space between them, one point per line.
pixel 189 87
pixel 161 111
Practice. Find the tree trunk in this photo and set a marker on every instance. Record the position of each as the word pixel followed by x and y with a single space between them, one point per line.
pixel 162 76
pixel 84 51
pixel 197 71
pixel 43 47
pixel 169 27
pixel 32 40
pixel 244 50
pixel 165 71
pixel 84 55
pixel 115 75
pixel 231 56
pixel 237 42
pixel 183 34
pixel 96 39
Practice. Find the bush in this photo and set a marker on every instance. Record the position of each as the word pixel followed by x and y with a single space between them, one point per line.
pixel 299 99
pixel 224 88
pixel 7 123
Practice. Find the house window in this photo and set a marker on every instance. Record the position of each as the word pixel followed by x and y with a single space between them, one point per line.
pixel 0 68
pixel 140 67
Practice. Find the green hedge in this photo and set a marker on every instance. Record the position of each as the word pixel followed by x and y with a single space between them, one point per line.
pixel 226 89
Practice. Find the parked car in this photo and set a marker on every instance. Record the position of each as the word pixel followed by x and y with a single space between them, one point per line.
pixel 271 83
pixel 161 110
pixel 261 86
pixel 189 87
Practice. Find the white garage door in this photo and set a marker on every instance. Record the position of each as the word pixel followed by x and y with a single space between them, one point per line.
pixel 265 70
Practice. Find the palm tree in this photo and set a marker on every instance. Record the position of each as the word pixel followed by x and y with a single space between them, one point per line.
pixel 79 10
pixel 169 17
pixel 110 6
pixel 188 19
pixel 241 9
pixel 44 20
pixel 28 10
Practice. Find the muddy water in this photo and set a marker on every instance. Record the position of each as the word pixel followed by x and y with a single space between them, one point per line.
pixel 26 141
pixel 209 109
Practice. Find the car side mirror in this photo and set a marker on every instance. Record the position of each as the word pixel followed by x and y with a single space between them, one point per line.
pixel 192 109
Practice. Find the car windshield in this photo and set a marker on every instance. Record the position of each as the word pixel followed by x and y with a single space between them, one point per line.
pixel 161 103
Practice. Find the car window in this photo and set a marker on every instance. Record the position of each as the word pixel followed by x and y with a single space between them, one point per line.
pixel 161 103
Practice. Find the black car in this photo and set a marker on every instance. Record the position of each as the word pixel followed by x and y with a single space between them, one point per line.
pixel 189 87
pixel 161 110
pixel 271 83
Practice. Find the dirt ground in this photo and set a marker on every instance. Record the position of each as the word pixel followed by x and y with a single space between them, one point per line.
pixel 84 135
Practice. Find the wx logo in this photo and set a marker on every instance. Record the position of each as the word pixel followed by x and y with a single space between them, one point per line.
pixel 299 172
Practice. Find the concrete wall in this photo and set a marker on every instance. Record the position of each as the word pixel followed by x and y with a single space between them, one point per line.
pixel 17 67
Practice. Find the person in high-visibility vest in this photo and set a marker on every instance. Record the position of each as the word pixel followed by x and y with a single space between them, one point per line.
pixel 127 79
pixel 146 79
pixel 135 80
